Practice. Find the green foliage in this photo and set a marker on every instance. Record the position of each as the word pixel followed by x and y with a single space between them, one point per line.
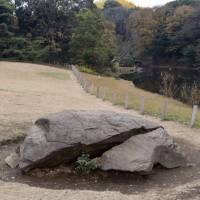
pixel 7 23
pixel 20 48
pixel 6 7
pixel 44 28
pixel 85 165
pixel 62 31
pixel 141 30
pixel 87 70
pixel 93 41
pixel 168 34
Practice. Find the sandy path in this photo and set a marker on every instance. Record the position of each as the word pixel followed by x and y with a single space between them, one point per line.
pixel 24 96
pixel 15 191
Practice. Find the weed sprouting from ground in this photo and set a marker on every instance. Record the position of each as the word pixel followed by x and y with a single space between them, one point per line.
pixel 85 165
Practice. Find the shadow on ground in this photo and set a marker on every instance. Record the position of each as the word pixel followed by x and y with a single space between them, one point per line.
pixel 64 177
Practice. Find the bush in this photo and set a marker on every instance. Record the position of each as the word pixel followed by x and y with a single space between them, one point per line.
pixel 12 53
pixel 88 70
pixel 85 165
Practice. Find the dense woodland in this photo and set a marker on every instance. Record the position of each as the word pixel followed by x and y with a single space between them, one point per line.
pixel 102 36
pixel 63 30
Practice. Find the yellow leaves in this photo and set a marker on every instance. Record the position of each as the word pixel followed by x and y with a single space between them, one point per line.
pixel 100 4
pixel 125 3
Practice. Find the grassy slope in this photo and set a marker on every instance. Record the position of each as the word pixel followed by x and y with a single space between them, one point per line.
pixel 177 111
pixel 56 75
pixel 28 91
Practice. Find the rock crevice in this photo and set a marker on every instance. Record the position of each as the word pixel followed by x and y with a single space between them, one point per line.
pixel 121 141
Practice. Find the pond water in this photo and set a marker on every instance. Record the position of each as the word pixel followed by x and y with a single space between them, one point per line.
pixel 151 79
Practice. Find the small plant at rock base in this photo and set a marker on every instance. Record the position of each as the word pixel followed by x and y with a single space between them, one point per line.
pixel 85 165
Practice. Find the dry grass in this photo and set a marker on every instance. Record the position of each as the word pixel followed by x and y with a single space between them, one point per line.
pixel 28 91
pixel 176 111
pixel 56 75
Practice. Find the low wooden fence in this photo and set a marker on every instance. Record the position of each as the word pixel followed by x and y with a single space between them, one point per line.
pixel 101 92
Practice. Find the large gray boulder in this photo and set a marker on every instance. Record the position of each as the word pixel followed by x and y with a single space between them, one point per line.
pixel 141 152
pixel 120 141
pixel 61 138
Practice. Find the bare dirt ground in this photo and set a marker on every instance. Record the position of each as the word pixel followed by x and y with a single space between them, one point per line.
pixel 29 91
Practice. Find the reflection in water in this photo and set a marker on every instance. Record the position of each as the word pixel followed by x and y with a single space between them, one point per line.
pixel 151 79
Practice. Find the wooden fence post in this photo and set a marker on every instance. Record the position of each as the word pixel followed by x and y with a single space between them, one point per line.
pixel 142 105
pixel 91 89
pixel 194 115
pixel 103 93
pixel 126 101
pixel 95 90
pixel 84 84
pixel 79 77
pixel 81 81
pixel 87 86
pixel 164 109
pixel 98 92
pixel 114 98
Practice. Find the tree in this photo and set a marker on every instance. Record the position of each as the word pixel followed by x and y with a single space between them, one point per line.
pixel 115 13
pixel 52 20
pixel 140 30
pixel 7 24
pixel 173 25
pixel 61 30
pixel 93 41
pixel 187 38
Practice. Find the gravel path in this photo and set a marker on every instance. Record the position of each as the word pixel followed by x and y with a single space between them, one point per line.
pixel 25 96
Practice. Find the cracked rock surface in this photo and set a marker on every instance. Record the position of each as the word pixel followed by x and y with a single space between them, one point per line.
pixel 141 152
pixel 124 141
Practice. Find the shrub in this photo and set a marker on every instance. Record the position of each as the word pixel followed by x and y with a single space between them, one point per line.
pixel 87 70
pixel 85 165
